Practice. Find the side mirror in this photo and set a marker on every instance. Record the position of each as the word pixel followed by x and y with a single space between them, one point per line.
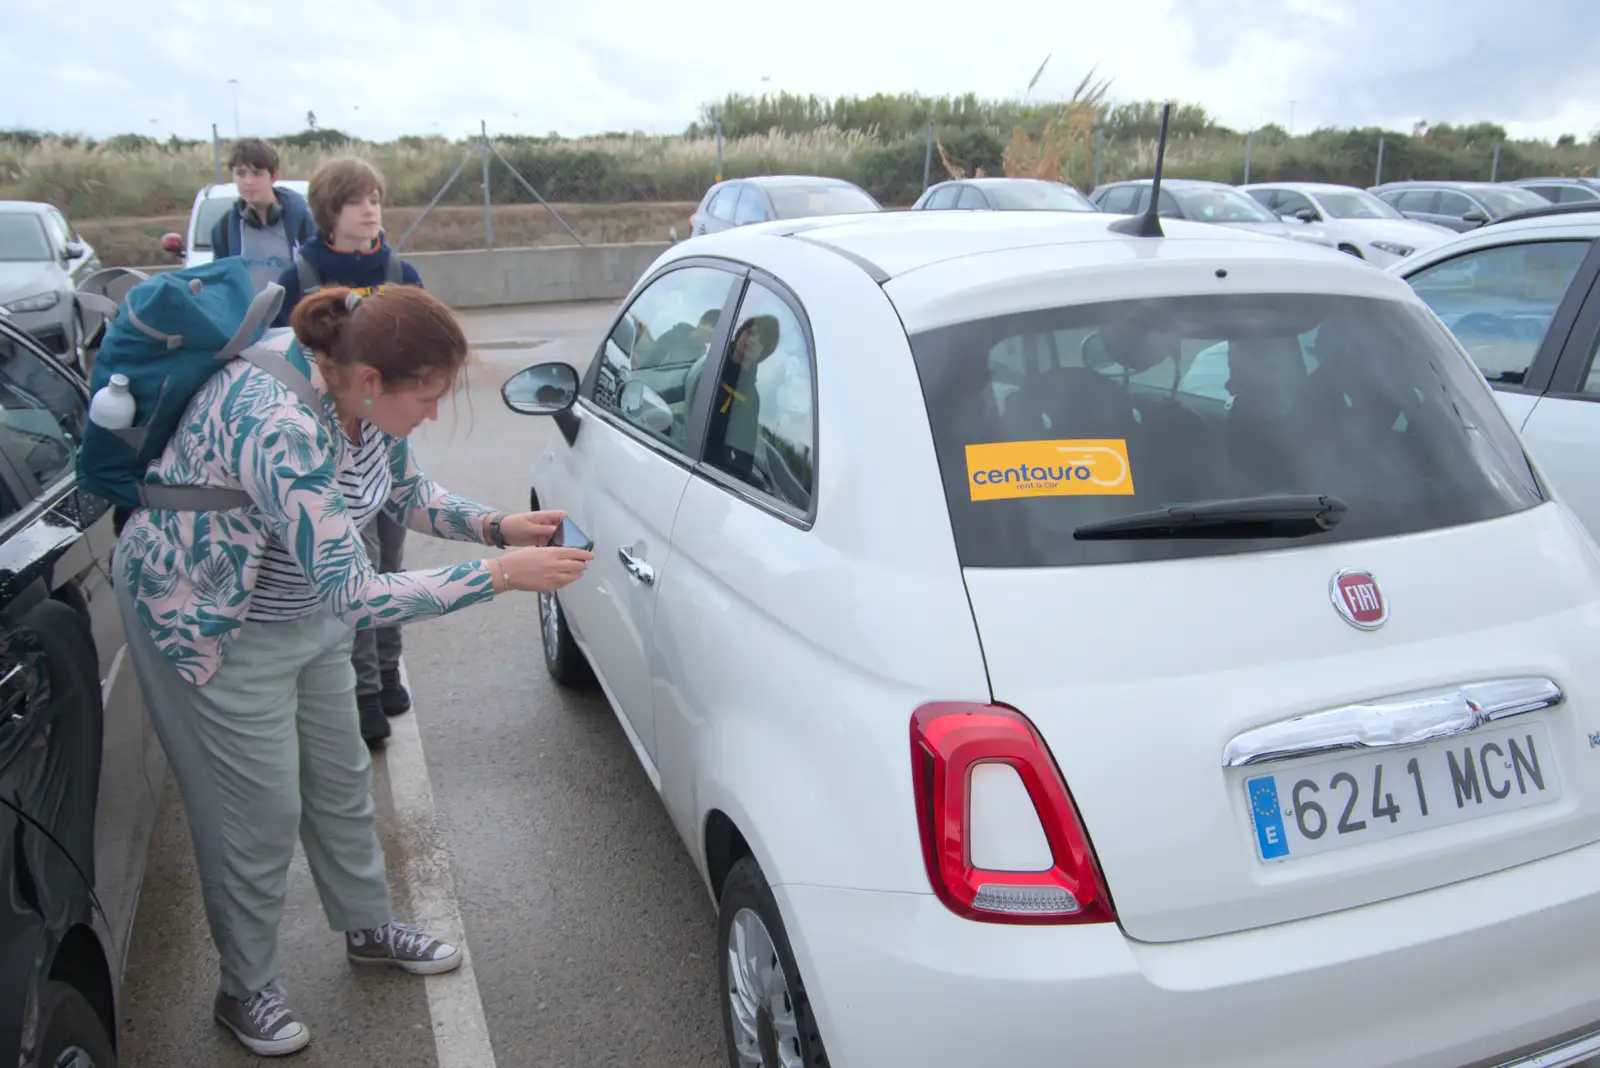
pixel 646 407
pixel 73 249
pixel 1307 215
pixel 172 243
pixel 1475 216
pixel 543 389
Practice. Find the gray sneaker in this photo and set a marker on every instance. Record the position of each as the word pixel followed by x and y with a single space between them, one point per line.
pixel 263 1024
pixel 404 946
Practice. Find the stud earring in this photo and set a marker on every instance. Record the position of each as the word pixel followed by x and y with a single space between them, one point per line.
pixel 367 401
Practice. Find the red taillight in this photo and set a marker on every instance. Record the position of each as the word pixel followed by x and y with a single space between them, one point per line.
pixel 948 741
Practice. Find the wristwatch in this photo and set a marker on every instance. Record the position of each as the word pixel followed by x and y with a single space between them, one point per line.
pixel 494 531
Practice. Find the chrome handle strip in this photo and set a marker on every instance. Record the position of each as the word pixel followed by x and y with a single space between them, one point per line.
pixel 1404 719
pixel 636 567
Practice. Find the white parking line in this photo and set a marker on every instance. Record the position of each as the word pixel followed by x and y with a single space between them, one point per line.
pixel 460 1031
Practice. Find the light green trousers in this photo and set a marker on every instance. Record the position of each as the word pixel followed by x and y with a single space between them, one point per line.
pixel 269 749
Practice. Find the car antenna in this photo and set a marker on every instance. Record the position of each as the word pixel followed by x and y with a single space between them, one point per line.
pixel 1149 224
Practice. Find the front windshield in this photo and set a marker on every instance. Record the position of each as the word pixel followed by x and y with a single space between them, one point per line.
pixel 1356 204
pixel 22 239
pixel 1220 206
pixel 1506 201
pixel 1039 196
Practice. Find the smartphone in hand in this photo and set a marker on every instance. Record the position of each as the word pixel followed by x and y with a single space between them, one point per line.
pixel 568 534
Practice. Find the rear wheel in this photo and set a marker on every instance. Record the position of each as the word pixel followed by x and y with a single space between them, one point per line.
pixel 70 1033
pixel 766 1017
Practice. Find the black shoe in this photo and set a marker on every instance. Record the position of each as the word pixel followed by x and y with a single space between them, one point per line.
pixel 396 701
pixel 374 726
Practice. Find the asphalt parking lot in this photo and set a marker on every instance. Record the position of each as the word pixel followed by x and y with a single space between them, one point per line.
pixel 512 813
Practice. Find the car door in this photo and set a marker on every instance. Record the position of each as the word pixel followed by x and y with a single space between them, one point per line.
pixel 98 794
pixel 1563 430
pixel 1512 306
pixel 630 461
pixel 743 525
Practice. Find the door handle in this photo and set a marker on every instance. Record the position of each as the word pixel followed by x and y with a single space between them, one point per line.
pixel 636 567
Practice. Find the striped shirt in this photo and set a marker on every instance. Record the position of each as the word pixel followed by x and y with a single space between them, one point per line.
pixel 282 590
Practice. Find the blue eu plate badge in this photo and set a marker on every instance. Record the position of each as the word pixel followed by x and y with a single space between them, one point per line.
pixel 1267 816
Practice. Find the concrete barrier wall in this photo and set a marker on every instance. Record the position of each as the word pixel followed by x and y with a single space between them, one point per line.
pixel 481 278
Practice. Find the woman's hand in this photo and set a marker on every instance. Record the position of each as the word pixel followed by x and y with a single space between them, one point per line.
pixel 530 528
pixel 544 569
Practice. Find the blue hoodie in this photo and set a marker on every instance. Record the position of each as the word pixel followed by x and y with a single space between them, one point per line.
pixel 360 271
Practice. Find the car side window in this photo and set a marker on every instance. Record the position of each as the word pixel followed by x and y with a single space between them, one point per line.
pixel 1499 301
pixel 972 199
pixel 1419 200
pixel 1119 201
pixel 752 207
pixel 1453 203
pixel 42 414
pixel 653 360
pixel 1591 384
pixel 762 426
pixel 1289 203
pixel 943 198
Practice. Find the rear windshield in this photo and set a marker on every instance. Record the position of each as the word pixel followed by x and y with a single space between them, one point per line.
pixel 1044 421
pixel 800 201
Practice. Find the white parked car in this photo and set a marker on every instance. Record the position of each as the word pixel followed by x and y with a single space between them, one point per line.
pixel 211 204
pixel 1029 690
pixel 1521 296
pixel 1350 219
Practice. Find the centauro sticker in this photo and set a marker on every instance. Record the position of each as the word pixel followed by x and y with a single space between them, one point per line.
pixel 1008 469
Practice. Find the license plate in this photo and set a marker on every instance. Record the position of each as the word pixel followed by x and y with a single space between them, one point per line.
pixel 1349 800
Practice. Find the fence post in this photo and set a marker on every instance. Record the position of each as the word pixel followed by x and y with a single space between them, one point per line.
pixel 719 150
pixel 1377 179
pixel 488 215
pixel 1249 143
pixel 216 153
pixel 1099 139
pixel 927 158
pixel 1494 170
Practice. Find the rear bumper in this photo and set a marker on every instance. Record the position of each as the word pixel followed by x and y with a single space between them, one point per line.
pixel 1479 973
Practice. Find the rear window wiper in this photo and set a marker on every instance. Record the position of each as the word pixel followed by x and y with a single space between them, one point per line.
pixel 1288 516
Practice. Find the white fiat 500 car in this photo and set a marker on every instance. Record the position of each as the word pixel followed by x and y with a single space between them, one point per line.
pixel 1058 646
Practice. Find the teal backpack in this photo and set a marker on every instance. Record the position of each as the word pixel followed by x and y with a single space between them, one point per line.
pixel 169 335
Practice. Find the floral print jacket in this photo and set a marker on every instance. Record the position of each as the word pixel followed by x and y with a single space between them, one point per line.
pixel 192 573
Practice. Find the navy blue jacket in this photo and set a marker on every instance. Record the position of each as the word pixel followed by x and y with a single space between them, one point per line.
pixel 292 208
pixel 364 272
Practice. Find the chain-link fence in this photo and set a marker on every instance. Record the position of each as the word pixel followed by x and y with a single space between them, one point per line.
pixel 489 191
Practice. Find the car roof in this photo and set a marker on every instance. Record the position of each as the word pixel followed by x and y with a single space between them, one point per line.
pixel 1583 224
pixel 793 179
pixel 1443 183
pixel 1173 183
pixel 214 190
pixel 1001 255
pixel 1306 187
pixel 23 207
pixel 996 179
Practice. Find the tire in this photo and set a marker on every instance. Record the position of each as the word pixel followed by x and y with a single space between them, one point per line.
pixel 784 1032
pixel 562 657
pixel 70 1032
pixel 54 645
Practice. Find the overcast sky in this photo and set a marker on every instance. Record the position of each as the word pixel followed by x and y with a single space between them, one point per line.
pixel 378 69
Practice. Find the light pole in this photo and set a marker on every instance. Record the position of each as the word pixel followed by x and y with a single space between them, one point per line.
pixel 235 83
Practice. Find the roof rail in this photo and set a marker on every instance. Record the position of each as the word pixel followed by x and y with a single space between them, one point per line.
pixel 1577 207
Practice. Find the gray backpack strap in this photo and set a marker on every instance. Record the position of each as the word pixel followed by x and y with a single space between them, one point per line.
pixel 278 366
pixel 263 309
pixel 192 498
pixel 310 280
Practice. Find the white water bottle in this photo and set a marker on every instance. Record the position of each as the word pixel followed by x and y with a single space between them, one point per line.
pixel 112 407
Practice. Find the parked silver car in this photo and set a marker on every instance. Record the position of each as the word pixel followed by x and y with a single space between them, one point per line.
pixel 42 261
pixel 742 201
